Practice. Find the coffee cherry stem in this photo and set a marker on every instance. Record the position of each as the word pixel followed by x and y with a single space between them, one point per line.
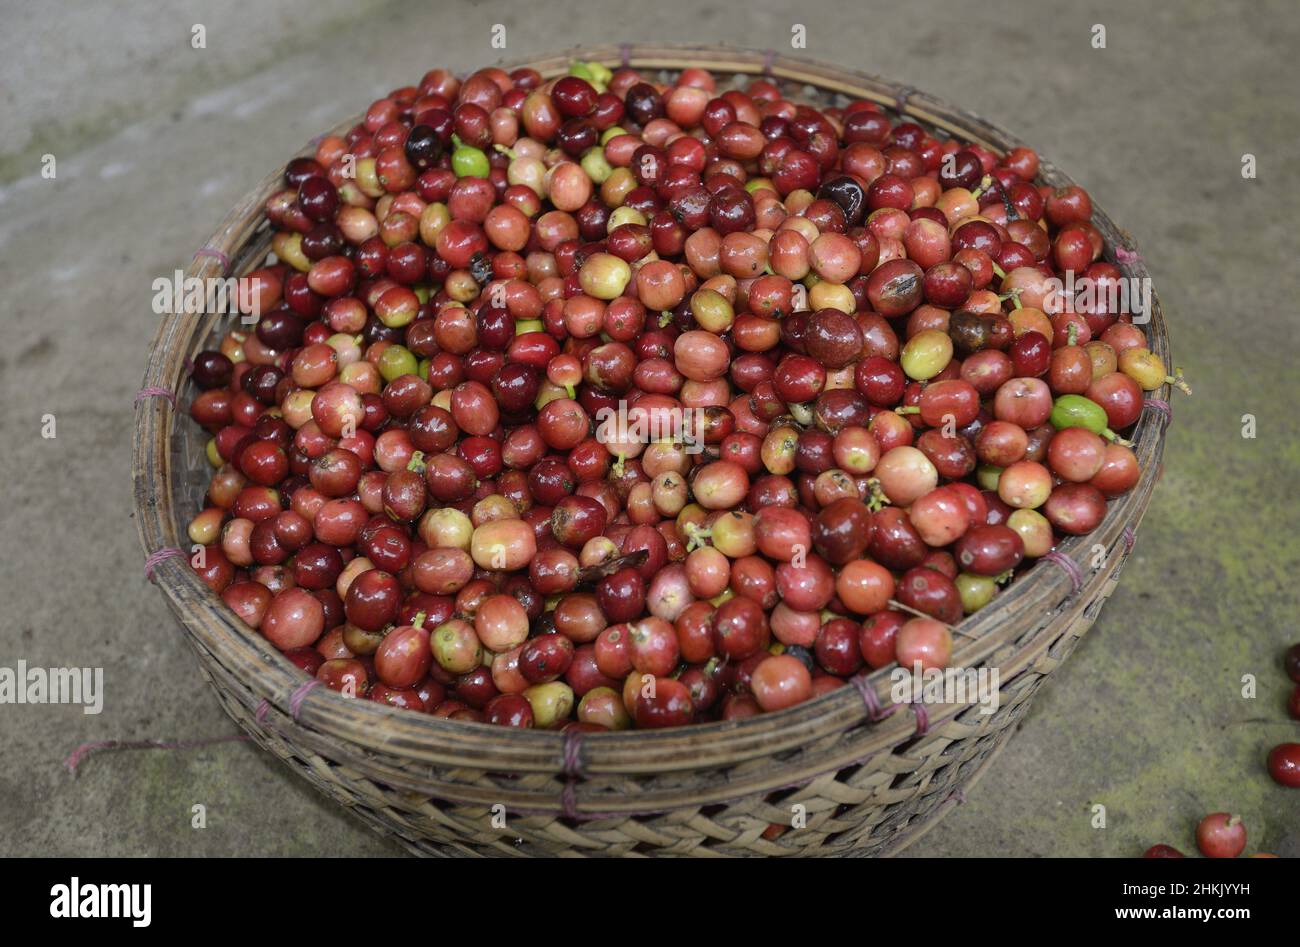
pixel 1115 438
pixel 984 185
pixel 1178 381
pixel 876 499
pixel 419 620
pixel 696 536
pixel 916 612
pixel 998 271
pixel 416 463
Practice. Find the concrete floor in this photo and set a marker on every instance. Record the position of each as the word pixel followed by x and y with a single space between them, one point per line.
pixel 154 140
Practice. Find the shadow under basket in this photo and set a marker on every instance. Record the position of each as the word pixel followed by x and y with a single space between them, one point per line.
pixel 861 775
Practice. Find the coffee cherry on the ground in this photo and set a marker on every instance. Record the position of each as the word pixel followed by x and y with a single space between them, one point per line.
pixel 1284 764
pixel 1292 663
pixel 1221 835
pixel 1162 851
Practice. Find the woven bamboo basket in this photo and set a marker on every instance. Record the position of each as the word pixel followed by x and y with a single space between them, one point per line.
pixel 865 776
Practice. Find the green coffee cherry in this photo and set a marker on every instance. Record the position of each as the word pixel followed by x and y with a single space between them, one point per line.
pixel 1078 411
pixel 1035 532
pixel 976 591
pixel 626 215
pixel 581 70
pixel 604 276
pixel 468 161
pixel 595 73
pixel 396 361
pixel 986 475
pixel 926 354
pixel 596 165
pixel 711 310
pixel 550 702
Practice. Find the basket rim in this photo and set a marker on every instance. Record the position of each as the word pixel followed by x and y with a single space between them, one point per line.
pixel 213 627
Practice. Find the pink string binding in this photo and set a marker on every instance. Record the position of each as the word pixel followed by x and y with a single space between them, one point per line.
pixel 572 769
pixel 1126 256
pixel 215 254
pixel 1162 407
pixel 875 712
pixel 1130 538
pixel 299 695
pixel 156 391
pixel 900 100
pixel 75 757
pixel 922 718
pixel 1070 567
pixel 296 698
pixel 769 59
pixel 159 555
pixel 625 54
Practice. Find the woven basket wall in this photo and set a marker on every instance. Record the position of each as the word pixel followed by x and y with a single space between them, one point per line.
pixel 870 777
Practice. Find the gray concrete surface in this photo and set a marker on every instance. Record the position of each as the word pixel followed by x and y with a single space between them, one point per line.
pixel 154 140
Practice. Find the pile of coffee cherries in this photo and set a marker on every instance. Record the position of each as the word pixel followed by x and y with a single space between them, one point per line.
pixel 869 402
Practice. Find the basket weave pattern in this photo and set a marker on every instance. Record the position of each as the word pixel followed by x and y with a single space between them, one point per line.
pixel 870 777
